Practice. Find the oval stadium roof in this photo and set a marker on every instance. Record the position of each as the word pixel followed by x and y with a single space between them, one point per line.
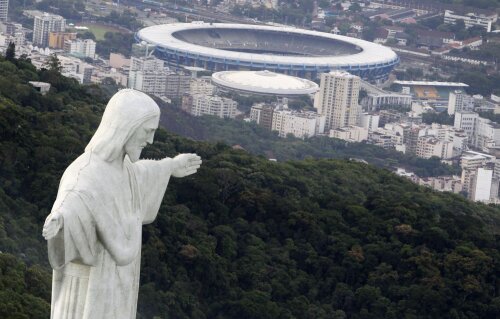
pixel 264 82
pixel 371 55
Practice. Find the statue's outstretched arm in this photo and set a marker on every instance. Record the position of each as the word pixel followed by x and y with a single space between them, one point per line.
pixel 185 164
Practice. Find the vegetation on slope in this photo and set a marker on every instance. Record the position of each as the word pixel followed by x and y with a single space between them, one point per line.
pixel 246 237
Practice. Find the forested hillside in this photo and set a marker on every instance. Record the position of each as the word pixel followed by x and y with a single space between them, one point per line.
pixel 246 237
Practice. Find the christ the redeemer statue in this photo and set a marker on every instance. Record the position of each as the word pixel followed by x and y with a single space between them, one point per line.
pixel 105 196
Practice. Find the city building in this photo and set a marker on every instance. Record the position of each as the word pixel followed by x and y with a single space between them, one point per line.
pixel 201 86
pixel 44 24
pixel 152 82
pixel 147 74
pixel 411 134
pixel 470 162
pixel 433 39
pixel 442 183
pixel 430 146
pixel 57 39
pixel 487 134
pixel 386 138
pixel 176 85
pixel 213 105
pixel 42 87
pixel 390 116
pixel 466 121
pixel 18 38
pixel 483 19
pixel 262 113
pixel 299 124
pixel 187 103
pixel 481 185
pixel 80 48
pixel 376 97
pixel 4 9
pixel 337 99
pixel 459 101
pixel 369 121
pixel 350 133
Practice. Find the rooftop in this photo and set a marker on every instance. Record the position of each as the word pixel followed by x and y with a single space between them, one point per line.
pixel 431 83
pixel 264 82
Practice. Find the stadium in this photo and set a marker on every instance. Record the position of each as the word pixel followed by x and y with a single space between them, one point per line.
pixel 304 53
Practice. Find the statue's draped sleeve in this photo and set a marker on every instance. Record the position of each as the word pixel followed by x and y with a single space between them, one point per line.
pixel 90 222
pixel 77 240
pixel 152 179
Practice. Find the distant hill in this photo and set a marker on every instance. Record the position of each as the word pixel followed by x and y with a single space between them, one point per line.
pixel 246 237
pixel 259 141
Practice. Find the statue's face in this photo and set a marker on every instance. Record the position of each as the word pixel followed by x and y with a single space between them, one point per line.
pixel 142 136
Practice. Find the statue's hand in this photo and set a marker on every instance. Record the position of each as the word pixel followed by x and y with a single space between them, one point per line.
pixel 186 164
pixel 53 224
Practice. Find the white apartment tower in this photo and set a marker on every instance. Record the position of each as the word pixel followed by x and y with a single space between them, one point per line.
pixel 43 25
pixel 147 74
pixel 337 99
pixel 4 9
pixel 459 101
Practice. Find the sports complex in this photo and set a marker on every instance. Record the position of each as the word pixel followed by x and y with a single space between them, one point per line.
pixel 304 53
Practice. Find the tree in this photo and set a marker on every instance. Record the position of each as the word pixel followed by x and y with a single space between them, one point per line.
pixel 355 7
pixel 10 54
pixel 53 63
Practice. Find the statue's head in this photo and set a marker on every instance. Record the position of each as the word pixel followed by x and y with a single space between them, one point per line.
pixel 128 124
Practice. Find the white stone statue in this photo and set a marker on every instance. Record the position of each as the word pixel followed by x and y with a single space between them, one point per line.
pixel 105 196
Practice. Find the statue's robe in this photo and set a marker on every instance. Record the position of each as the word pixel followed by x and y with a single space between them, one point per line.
pixel 96 255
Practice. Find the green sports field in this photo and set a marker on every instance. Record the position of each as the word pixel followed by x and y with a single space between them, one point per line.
pixel 99 29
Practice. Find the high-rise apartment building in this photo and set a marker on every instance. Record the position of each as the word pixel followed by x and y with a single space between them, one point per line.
pixel 147 74
pixel 337 99
pixel 459 101
pixel 44 24
pixel 4 9
pixel 177 85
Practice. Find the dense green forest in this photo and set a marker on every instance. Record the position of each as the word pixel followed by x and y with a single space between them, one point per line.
pixel 246 237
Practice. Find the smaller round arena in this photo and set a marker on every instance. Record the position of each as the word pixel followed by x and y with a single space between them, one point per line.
pixel 263 83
